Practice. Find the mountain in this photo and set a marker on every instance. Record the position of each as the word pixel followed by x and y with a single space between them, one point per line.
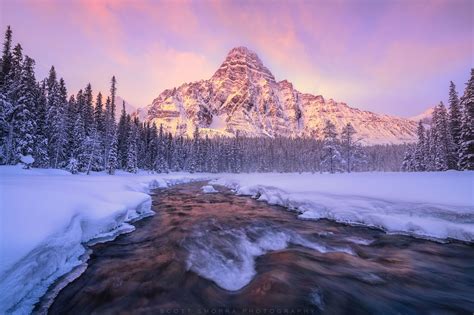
pixel 129 108
pixel 243 97
pixel 425 117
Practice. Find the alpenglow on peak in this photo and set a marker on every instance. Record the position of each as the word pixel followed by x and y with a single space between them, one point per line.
pixel 244 97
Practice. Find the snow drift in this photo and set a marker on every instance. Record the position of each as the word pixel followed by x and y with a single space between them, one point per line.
pixel 47 216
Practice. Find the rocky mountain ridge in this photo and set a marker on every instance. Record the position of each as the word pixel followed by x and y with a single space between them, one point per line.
pixel 243 97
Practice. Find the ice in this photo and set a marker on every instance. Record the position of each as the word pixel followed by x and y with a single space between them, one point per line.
pixel 209 189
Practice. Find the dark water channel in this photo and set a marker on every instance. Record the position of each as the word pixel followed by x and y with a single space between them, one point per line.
pixel 224 254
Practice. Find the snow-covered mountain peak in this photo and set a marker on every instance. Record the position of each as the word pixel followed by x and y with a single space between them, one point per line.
pixel 243 97
pixel 242 64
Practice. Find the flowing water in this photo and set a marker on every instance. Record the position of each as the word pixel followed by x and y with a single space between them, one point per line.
pixel 225 254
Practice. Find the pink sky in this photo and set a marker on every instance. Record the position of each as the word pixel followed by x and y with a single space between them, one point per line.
pixel 394 57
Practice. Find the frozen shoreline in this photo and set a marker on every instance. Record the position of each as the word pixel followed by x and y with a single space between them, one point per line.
pixel 47 215
pixel 426 205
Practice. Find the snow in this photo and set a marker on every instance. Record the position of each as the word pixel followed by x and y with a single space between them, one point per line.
pixel 432 204
pixel 27 159
pixel 208 189
pixel 46 216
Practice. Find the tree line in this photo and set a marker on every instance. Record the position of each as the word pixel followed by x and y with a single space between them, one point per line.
pixel 80 133
pixel 448 144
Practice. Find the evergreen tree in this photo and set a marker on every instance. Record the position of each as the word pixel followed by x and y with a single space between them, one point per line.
pixel 99 115
pixel 41 145
pixel 6 61
pixel 161 165
pixel 88 110
pixel 466 145
pixel 332 157
pixel 445 151
pixel 122 136
pixel 408 164
pixel 131 148
pixel 6 110
pixel 79 152
pixel 25 119
pixel 454 115
pixel 112 156
pixel 348 145
pixel 420 149
pixel 56 120
pixel 12 79
pixel 113 92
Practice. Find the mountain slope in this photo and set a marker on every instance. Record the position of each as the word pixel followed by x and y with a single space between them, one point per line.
pixel 425 117
pixel 129 108
pixel 243 97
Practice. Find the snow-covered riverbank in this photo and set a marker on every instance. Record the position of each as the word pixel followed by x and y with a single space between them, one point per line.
pixel 431 204
pixel 47 215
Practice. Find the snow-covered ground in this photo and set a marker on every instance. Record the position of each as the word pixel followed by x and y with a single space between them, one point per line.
pixel 47 215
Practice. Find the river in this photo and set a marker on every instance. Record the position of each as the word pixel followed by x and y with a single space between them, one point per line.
pixel 218 253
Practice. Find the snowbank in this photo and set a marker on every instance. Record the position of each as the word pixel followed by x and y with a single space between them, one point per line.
pixel 47 215
pixel 434 205
pixel 208 189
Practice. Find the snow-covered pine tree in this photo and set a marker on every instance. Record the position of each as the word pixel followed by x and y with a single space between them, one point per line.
pixel 11 92
pixel 88 110
pixel 331 156
pixel 419 153
pixel 408 164
pixel 109 130
pixel 79 152
pixel 455 118
pixel 169 150
pixel 348 146
pixel 73 165
pixel 99 115
pixel 112 160
pixel 6 109
pixel 113 92
pixel 445 154
pixel 161 165
pixel 41 144
pixel 122 137
pixel 6 61
pixel 93 151
pixel 152 151
pixel 193 161
pixel 25 109
pixel 431 150
pixel 56 124
pixel 131 147
pixel 466 146
pixel 69 122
